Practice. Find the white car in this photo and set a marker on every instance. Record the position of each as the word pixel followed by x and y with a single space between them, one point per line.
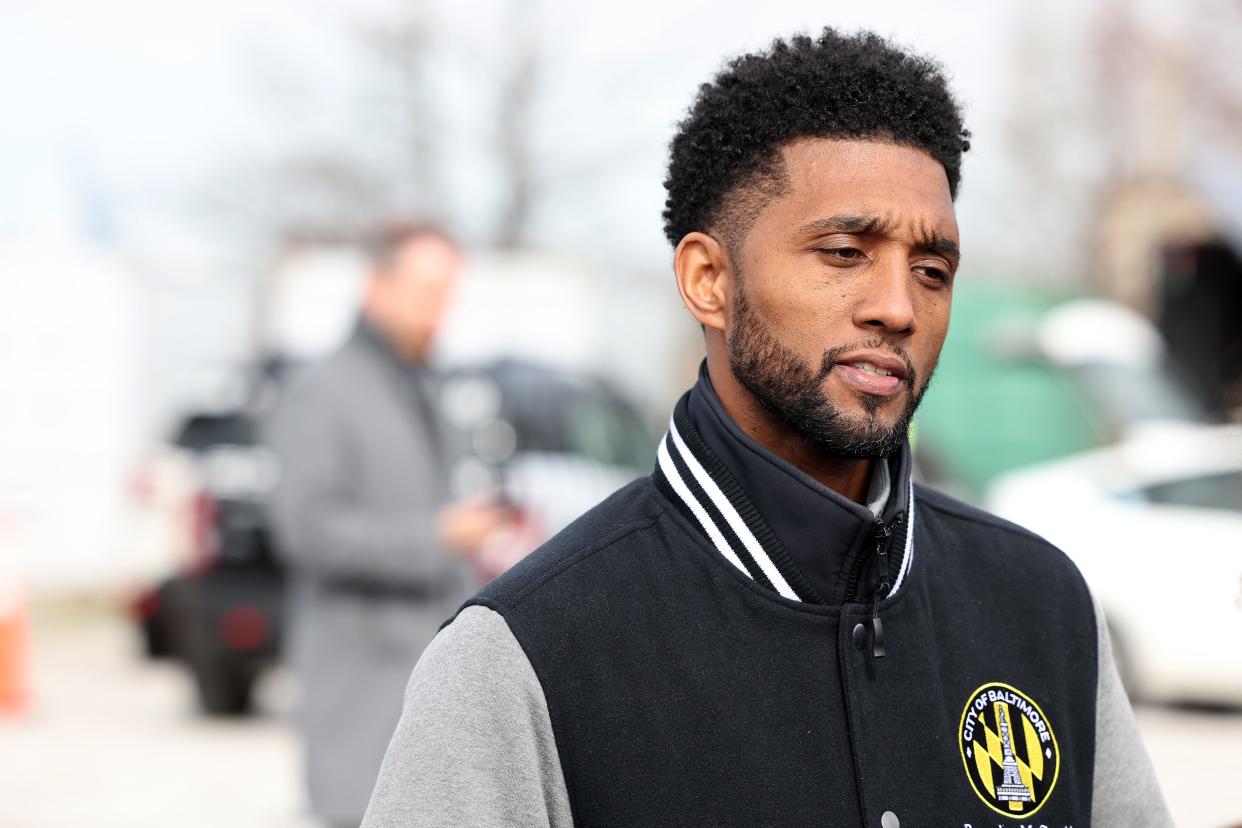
pixel 1155 525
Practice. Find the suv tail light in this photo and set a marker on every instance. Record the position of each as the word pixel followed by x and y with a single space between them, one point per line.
pixel 244 629
pixel 204 534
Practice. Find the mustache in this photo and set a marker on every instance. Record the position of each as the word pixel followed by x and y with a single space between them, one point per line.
pixel 873 344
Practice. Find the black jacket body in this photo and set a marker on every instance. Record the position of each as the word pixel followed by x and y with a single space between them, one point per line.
pixel 685 689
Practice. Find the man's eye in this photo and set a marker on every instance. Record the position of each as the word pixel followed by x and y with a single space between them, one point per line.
pixel 845 254
pixel 935 274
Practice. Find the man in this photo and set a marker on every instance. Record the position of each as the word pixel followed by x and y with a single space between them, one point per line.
pixel 777 627
pixel 357 517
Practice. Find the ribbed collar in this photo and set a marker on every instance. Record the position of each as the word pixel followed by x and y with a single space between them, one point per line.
pixel 772 520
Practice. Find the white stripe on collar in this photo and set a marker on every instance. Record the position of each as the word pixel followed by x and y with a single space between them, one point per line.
pixel 909 556
pixel 679 486
pixel 730 514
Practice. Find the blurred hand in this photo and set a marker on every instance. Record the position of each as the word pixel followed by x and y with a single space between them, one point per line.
pixel 466 526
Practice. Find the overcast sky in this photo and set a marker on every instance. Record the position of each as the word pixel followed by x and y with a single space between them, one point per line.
pixel 117 114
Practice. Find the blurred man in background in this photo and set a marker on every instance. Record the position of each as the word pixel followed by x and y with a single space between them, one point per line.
pixel 360 518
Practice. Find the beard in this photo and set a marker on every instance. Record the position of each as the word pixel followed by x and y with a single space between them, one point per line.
pixel 793 390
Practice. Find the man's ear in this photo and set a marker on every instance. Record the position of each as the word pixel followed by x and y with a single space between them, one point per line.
pixel 704 278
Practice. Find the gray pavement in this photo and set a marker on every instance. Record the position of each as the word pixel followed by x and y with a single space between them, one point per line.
pixel 114 740
pixel 1198 758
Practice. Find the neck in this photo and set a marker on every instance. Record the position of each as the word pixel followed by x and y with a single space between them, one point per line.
pixel 847 476
pixel 388 330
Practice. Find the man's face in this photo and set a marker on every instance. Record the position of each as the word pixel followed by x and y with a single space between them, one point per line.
pixel 841 293
pixel 413 291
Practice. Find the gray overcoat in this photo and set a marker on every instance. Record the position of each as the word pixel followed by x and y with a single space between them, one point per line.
pixel 363 475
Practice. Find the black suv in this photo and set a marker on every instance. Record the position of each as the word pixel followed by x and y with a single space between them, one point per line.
pixel 221 613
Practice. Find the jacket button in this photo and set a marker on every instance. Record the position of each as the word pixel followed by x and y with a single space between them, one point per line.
pixel 889 820
pixel 860 641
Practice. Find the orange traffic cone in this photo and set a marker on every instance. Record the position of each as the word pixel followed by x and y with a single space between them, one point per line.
pixel 14 637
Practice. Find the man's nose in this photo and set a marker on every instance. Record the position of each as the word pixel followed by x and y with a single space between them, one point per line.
pixel 887 303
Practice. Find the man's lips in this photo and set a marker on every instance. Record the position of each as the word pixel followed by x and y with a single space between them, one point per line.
pixel 875 373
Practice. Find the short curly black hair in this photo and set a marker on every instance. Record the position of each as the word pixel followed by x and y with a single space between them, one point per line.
pixel 724 162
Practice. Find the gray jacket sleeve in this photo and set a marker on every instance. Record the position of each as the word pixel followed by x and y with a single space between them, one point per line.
pixel 475 744
pixel 1126 791
pixel 322 525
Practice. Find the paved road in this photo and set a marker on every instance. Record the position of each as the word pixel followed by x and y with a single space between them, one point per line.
pixel 115 741
pixel 1198 757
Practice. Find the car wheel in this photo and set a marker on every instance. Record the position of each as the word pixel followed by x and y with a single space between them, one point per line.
pixel 156 640
pixel 224 682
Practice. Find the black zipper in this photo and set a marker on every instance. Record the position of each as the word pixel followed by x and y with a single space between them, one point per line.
pixel 880 534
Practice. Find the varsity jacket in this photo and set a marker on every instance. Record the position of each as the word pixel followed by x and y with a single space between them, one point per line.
pixel 728 642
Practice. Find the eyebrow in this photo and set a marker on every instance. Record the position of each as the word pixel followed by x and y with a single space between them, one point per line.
pixel 862 225
pixel 938 243
pixel 847 224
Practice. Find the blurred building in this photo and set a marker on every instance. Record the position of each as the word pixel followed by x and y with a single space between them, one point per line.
pixel 1169 216
pixel 69 365
pixel 1170 248
pixel 554 309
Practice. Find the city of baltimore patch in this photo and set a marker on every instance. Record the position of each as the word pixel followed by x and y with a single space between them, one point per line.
pixel 1008 749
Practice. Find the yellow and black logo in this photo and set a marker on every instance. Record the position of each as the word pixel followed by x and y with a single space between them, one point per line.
pixel 1009 750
